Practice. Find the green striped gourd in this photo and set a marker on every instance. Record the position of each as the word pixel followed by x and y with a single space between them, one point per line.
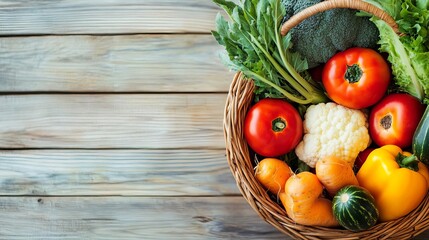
pixel 354 208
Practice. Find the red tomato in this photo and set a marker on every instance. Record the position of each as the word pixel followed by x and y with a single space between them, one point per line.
pixel 356 78
pixel 394 120
pixel 361 158
pixel 272 127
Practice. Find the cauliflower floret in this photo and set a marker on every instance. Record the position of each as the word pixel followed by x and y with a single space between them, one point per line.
pixel 333 130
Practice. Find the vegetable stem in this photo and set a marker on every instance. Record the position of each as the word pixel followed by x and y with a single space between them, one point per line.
pixel 282 72
pixel 353 73
pixel 286 63
pixel 278 125
pixel 317 96
pixel 278 88
pixel 409 162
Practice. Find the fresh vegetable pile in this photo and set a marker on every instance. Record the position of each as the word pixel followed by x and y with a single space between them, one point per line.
pixel 346 143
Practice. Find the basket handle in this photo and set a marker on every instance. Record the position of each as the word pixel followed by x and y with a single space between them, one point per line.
pixel 331 4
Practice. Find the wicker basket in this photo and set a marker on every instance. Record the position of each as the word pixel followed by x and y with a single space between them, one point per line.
pixel 238 155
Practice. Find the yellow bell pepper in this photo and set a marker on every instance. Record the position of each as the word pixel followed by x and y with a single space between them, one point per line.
pixel 396 179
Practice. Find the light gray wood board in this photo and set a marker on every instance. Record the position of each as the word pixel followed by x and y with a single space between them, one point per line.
pixel 112 121
pixel 181 172
pixel 131 218
pixel 102 17
pixel 134 63
pixel 228 217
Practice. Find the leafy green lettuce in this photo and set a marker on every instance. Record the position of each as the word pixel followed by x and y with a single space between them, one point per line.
pixel 409 52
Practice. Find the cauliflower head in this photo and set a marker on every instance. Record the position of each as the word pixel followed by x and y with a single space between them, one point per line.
pixel 333 130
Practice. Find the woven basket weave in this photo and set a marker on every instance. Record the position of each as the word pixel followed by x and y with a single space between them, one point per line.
pixel 238 155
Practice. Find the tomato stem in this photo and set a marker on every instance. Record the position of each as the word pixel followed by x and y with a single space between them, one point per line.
pixel 353 73
pixel 278 125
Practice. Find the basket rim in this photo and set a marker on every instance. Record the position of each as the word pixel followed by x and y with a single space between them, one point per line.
pixel 332 4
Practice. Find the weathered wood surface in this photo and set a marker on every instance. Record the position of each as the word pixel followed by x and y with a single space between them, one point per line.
pixel 112 121
pixel 44 217
pixel 157 172
pixel 19 17
pixel 131 218
pixel 41 217
pixel 127 63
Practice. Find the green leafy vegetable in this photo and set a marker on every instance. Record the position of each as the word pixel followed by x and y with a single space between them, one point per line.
pixel 409 52
pixel 392 7
pixel 411 69
pixel 255 47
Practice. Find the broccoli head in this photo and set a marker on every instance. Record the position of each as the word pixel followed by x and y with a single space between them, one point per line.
pixel 319 37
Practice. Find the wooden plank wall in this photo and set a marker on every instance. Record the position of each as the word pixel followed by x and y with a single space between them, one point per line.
pixel 34 17
pixel 111 123
pixel 117 63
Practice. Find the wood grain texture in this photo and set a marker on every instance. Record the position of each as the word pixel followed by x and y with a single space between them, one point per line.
pixel 106 17
pixel 131 218
pixel 112 121
pixel 116 172
pixel 136 63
